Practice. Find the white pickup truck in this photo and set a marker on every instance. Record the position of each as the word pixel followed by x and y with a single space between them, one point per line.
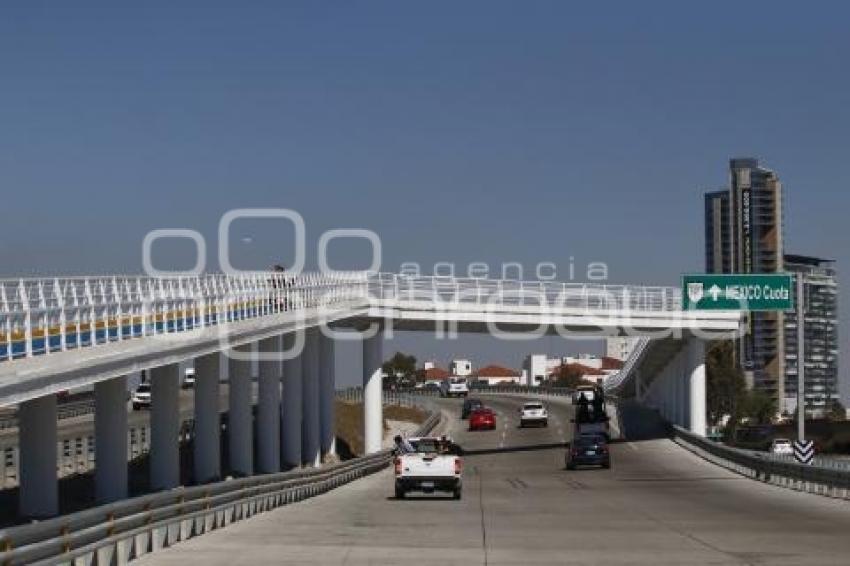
pixel 434 465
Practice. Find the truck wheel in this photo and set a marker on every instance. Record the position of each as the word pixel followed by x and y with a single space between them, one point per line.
pixel 399 493
pixel 456 494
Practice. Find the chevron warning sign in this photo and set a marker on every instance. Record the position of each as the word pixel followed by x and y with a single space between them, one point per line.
pixel 804 452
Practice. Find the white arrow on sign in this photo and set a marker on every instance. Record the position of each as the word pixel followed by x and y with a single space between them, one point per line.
pixel 714 292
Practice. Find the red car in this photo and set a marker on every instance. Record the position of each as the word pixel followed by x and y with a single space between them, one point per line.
pixel 482 419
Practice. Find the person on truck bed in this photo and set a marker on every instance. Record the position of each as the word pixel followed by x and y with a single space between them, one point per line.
pixel 583 409
pixel 598 407
pixel 402 446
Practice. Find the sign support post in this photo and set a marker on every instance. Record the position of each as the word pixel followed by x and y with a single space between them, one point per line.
pixel 801 360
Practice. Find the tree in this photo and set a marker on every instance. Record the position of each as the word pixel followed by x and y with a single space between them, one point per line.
pixel 569 376
pixel 837 412
pixel 399 370
pixel 760 407
pixel 725 385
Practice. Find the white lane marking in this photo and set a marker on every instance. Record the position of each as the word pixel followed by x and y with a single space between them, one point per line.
pixel 632 446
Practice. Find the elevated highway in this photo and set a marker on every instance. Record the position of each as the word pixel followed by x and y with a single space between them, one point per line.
pixel 61 333
pixel 659 504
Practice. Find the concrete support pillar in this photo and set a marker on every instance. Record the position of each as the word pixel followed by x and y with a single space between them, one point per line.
pixel 39 489
pixel 678 390
pixel 327 369
pixel 373 417
pixel 291 406
pixel 240 421
pixel 310 444
pixel 696 378
pixel 207 445
pixel 268 405
pixel 110 434
pixel 165 427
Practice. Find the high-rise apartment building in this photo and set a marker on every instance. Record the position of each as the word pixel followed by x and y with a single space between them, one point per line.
pixel 820 327
pixel 744 234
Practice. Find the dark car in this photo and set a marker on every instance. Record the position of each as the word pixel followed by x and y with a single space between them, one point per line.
pixel 591 450
pixel 470 405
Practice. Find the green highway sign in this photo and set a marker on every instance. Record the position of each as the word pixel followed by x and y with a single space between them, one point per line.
pixel 738 291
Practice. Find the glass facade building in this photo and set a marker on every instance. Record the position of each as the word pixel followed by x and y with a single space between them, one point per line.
pixel 744 234
pixel 820 316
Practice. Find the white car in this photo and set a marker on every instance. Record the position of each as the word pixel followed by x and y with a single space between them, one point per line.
pixel 454 387
pixel 142 396
pixel 533 413
pixel 433 465
pixel 189 378
pixel 781 446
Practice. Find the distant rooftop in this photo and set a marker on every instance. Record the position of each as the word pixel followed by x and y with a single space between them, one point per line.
pixel 807 260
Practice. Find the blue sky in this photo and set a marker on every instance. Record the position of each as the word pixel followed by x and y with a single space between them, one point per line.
pixel 487 131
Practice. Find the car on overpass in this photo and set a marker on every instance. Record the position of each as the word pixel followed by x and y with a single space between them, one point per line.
pixel 483 418
pixel 188 378
pixel 533 413
pixel 141 398
pixel 588 450
pixel 434 465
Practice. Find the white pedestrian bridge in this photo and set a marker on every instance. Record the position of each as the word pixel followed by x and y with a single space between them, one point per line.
pixel 61 333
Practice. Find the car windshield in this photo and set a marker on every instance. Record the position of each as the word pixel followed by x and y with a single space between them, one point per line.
pixel 533 407
pixel 143 388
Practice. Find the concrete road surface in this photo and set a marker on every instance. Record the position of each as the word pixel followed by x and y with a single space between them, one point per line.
pixel 657 505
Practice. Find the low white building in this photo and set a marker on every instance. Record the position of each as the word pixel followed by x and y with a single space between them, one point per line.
pixel 537 368
pixel 461 368
pixel 620 347
pixel 497 375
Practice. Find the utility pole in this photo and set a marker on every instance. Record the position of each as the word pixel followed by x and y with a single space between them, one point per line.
pixel 801 360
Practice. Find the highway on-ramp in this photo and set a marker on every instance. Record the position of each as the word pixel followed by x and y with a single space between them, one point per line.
pixel 658 504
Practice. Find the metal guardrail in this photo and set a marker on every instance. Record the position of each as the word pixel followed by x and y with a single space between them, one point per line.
pixel 42 316
pixel 506 292
pixel 402 394
pixel 119 532
pixel 817 479
pixel 63 411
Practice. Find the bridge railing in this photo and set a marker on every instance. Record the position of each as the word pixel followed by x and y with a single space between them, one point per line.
pixel 616 381
pixel 829 480
pixel 493 292
pixel 119 532
pixel 43 316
